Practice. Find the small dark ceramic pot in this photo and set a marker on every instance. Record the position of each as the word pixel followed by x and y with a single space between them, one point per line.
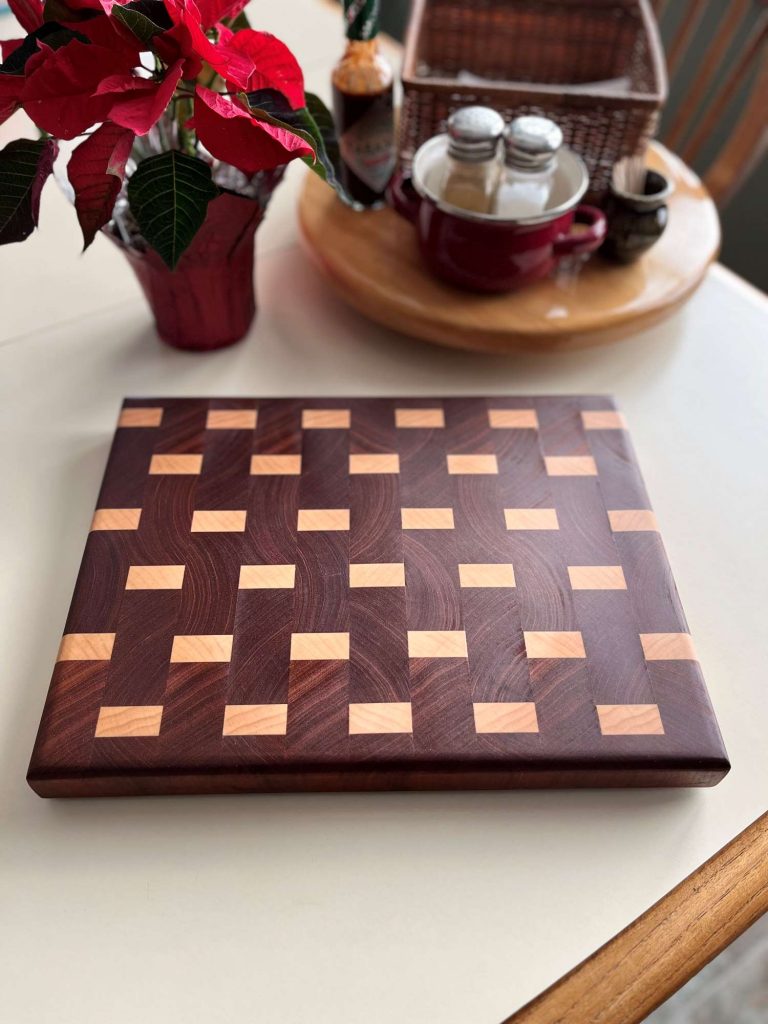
pixel 486 253
pixel 636 221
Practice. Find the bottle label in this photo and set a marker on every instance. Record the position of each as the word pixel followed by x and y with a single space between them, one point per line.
pixel 368 147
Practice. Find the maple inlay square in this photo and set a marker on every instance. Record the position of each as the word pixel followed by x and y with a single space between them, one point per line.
pixel 531 519
pixel 324 519
pixel 461 465
pixel 413 418
pixel 86 647
pixel 377 719
pixel 319 646
pixel 275 465
pixel 377 574
pixel 570 465
pixel 486 574
pixel 437 643
pixel 231 419
pixel 155 577
pixel 630 720
pixel 426 518
pixel 146 416
pixel 505 717
pixel 135 720
pixel 116 519
pixel 325 419
pixel 202 648
pixel 633 520
pixel 554 644
pixel 255 720
pixel 603 419
pixel 597 577
pixel 267 577
pixel 513 419
pixel 365 463
pixel 668 647
pixel 218 521
pixel 176 465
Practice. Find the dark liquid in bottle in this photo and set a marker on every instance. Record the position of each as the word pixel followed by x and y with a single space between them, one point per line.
pixel 365 127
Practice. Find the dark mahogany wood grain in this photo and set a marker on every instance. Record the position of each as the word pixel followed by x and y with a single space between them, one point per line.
pixel 199 692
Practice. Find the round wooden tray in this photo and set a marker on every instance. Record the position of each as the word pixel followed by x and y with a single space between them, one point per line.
pixel 373 262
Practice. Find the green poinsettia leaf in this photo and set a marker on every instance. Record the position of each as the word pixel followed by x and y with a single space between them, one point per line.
pixel 145 18
pixel 169 195
pixel 50 33
pixel 24 168
pixel 323 130
pixel 313 123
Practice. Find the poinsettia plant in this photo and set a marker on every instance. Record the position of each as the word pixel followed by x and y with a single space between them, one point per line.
pixel 192 75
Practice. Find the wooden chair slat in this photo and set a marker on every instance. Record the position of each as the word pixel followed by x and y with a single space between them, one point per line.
pixel 684 35
pixel 682 125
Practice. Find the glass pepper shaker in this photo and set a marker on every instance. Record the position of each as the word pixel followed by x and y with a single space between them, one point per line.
pixel 530 150
pixel 472 168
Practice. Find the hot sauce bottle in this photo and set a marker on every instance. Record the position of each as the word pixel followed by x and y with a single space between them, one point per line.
pixel 363 109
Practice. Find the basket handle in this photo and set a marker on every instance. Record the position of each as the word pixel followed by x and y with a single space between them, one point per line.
pixel 576 242
pixel 403 197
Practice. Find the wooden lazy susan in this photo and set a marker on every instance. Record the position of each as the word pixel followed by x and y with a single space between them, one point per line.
pixel 372 260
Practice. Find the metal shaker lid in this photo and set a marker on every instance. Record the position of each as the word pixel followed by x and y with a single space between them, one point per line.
pixel 531 143
pixel 474 133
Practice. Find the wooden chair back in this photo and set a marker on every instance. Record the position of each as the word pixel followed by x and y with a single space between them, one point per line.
pixel 728 92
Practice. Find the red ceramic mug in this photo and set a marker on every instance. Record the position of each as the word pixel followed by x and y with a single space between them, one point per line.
pixel 483 252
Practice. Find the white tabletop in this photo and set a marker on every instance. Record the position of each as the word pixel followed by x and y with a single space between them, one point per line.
pixel 338 908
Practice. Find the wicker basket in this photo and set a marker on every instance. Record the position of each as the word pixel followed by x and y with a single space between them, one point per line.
pixel 596 67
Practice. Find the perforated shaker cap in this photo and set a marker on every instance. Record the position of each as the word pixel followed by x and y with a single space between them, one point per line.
pixel 531 143
pixel 474 133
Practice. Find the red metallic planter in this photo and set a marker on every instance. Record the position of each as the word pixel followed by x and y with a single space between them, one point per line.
pixel 208 301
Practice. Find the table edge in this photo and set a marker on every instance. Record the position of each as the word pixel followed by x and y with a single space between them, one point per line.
pixel 654 956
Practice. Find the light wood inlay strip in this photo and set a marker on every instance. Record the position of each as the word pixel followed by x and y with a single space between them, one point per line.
pixel 325 419
pixel 319 646
pixel 155 577
pixel 417 418
pixel 633 519
pixel 426 518
pixel 668 647
pixel 176 465
pixel 570 465
pixel 255 720
pixel 554 644
pixel 116 519
pixel 460 465
pixel 387 462
pixel 146 416
pixel 267 577
pixel 218 521
pixel 531 519
pixel 201 648
pixel 377 574
pixel 137 720
pixel 86 647
pixel 231 419
pixel 647 962
pixel 437 643
pixel 513 419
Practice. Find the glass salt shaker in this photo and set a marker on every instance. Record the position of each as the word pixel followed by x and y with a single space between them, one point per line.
pixel 530 149
pixel 471 174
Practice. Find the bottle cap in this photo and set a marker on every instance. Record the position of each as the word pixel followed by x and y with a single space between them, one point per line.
pixel 474 133
pixel 362 19
pixel 531 143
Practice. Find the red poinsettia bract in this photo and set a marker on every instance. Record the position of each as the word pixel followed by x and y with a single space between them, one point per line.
pixel 109 70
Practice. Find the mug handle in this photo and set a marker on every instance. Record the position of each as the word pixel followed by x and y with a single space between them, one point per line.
pixel 403 197
pixel 575 242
